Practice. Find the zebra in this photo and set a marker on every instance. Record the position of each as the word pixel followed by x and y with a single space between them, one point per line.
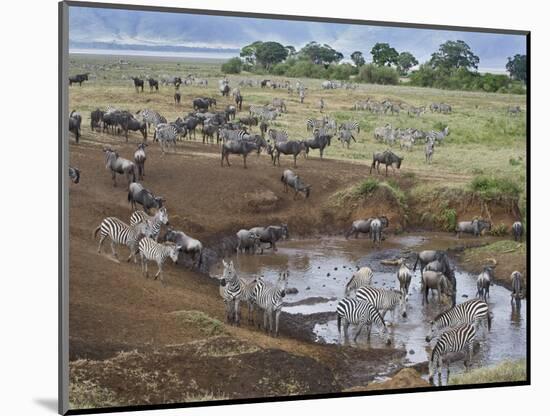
pixel 517 230
pixel 362 277
pixel 473 311
pixel 429 151
pixel 376 231
pixel 361 313
pixel 517 289
pixel 321 105
pixel 484 281
pixel 404 276
pixel 231 291
pixel 455 340
pixel 384 299
pixel 149 249
pixel 278 135
pixel 312 124
pixel 151 117
pixel 302 94
pixel 74 174
pixel 139 158
pixel 247 295
pixel 121 233
pixel 346 137
pixel 165 134
pixel 350 125
pixel 270 298
pixel 236 135
pixel 155 221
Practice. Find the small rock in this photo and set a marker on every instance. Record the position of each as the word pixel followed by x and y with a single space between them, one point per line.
pixel 411 352
pixel 464 296
pixel 334 278
pixel 291 291
pixel 324 285
pixel 318 267
pixel 328 274
pixel 336 268
pixel 307 288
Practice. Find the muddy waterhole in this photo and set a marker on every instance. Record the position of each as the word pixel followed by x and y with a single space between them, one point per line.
pixel 320 267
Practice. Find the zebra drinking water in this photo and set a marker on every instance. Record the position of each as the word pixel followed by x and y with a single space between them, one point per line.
pixel 455 340
pixel 473 311
pixel 517 289
pixel 361 313
pixel 384 300
pixel 155 221
pixel 362 277
pixel 149 250
pixel 270 298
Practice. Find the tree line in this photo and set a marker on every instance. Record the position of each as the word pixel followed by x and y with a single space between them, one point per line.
pixel 453 66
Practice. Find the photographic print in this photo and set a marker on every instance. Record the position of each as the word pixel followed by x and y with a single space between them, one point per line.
pixel 268 207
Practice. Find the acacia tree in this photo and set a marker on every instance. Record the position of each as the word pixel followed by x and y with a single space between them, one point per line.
pixel 517 67
pixel 248 52
pixel 321 54
pixel 405 61
pixel 270 53
pixel 357 58
pixel 453 55
pixel 383 54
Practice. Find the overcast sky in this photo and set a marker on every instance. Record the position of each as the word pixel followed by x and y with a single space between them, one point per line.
pixel 177 29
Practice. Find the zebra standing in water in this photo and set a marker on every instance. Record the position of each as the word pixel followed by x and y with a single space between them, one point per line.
pixel 155 221
pixel 270 298
pixel 384 300
pixel 362 277
pixel 149 249
pixel 517 289
pixel 361 313
pixel 231 292
pixel 473 311
pixel 121 233
pixel 455 340
pixel 404 276
pixel 376 231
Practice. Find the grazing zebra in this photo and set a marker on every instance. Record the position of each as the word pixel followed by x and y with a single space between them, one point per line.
pixel 384 299
pixel 362 277
pixel 517 230
pixel 167 134
pixel 484 281
pixel 455 340
pixel 74 174
pixel 473 311
pixel 351 126
pixel 231 292
pixel 361 313
pixel 404 276
pixel 270 298
pixel 517 289
pixel 149 249
pixel 151 117
pixel 278 135
pixel 155 221
pixel 121 233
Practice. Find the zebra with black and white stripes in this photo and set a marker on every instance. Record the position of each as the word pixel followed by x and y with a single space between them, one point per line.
pixel 155 221
pixel 384 300
pixel 151 117
pixel 121 233
pixel 150 250
pixel 455 340
pixel 278 135
pixel 231 291
pixel 351 126
pixel 312 123
pixel 404 277
pixel 236 135
pixel 269 298
pixel 362 277
pixel 473 311
pixel 247 295
pixel 166 134
pixel 361 313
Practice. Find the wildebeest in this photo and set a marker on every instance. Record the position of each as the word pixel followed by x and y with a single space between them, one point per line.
pixel 517 289
pixel 435 281
pixel 404 277
pixel 271 234
pixel 292 147
pixel 74 174
pixel 387 158
pixel 289 178
pixel 75 121
pixel 484 281
pixel 188 245
pixel 321 139
pixel 137 193
pixel 241 147
pixel 239 101
pixel 201 104
pixel 517 230
pixel 133 124
pixel 441 264
pixel 224 90
pixel 249 121
pixel 247 241
pixel 79 78
pixel 153 84
pixel 474 227
pixel 514 110
pixel 177 98
pixel 139 159
pixel 96 118
pixel 117 164
pixel 138 83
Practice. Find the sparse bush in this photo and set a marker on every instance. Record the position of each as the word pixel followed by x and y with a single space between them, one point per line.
pixel 499 230
pixel 375 74
pixel 367 187
pixel 514 162
pixel 506 371
pixel 488 188
pixel 233 66
pixel 448 218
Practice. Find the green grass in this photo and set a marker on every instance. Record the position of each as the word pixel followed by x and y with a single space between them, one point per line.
pixel 502 246
pixel 491 187
pixel 506 371
pixel 448 218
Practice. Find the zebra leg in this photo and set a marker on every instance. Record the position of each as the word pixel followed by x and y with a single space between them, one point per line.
pixel 237 313
pixel 113 249
pixel 265 320
pixel 100 243
pixel 270 322
pixel 277 315
pixel 358 332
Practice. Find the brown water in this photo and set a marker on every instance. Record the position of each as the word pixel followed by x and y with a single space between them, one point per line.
pixel 319 269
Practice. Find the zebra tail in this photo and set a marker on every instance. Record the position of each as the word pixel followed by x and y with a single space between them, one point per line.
pixel 417 258
pixel 95 231
pixel 130 197
pixel 339 322
pixel 489 319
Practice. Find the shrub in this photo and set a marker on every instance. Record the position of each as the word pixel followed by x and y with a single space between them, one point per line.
pixel 447 218
pixel 375 74
pixel 489 187
pixel 367 187
pixel 499 230
pixel 233 66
